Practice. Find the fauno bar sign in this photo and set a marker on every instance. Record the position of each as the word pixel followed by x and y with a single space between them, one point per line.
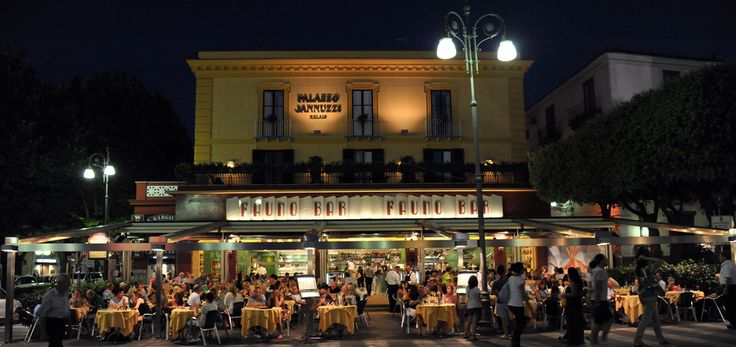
pixel 360 207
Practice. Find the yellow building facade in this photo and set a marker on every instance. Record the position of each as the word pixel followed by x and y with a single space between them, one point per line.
pixel 324 103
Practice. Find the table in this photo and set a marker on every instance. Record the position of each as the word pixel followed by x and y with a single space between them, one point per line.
pixel 124 320
pixel 674 297
pixel 267 318
pixel 178 320
pixel 631 306
pixel 432 314
pixel 345 315
pixel 622 291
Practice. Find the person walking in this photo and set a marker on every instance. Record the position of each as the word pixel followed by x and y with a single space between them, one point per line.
pixel 574 310
pixel 368 274
pixel 602 317
pixel 727 280
pixel 472 314
pixel 646 270
pixel 517 294
pixel 54 310
pixel 392 281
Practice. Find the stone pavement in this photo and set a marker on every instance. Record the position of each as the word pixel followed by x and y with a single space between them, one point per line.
pixel 384 330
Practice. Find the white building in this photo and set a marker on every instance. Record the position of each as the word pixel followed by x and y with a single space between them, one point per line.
pixel 611 78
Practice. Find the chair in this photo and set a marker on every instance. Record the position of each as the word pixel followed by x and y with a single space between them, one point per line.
pixel 552 310
pixel 361 313
pixel 715 303
pixel 31 329
pixel 237 313
pixel 146 318
pixel 666 302
pixel 210 324
pixel 685 303
pixel 76 323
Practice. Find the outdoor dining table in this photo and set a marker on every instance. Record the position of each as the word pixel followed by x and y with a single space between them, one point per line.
pixel 290 304
pixel 432 314
pixel 178 320
pixel 267 318
pixel 631 306
pixel 345 315
pixel 123 320
pixel 674 296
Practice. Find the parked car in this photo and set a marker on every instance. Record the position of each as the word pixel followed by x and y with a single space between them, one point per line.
pixel 27 282
pixel 88 276
pixel 16 305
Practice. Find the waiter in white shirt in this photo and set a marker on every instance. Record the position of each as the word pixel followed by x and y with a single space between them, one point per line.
pixel 55 310
pixel 392 281
pixel 410 276
pixel 727 279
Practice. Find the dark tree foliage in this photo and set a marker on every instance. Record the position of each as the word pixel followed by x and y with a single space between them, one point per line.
pixel 668 146
pixel 48 131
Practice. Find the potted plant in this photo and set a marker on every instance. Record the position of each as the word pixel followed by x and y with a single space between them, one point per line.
pixel 407 167
pixel 315 164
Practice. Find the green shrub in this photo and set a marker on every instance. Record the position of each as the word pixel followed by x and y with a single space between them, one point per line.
pixel 694 275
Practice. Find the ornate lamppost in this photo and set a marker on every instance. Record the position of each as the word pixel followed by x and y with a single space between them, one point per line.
pixel 103 162
pixel 486 27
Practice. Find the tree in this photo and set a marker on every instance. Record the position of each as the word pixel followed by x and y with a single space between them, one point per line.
pixel 667 146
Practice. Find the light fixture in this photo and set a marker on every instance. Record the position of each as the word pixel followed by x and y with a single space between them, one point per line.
pixel 460 240
pixel 309 241
pixel 404 131
pixel 446 48
pixel 258 201
pixel 732 239
pixel 553 204
pixel 231 163
pixel 89 173
pixel 506 51
pixel 109 170
pixel 158 247
pixel 317 132
pixel 602 243
pixel 38 252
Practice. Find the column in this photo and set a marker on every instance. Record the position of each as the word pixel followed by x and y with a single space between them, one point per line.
pixel 460 265
pixel 322 265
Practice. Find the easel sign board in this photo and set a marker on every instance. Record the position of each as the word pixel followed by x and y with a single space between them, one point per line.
pixel 307 286
pixel 462 281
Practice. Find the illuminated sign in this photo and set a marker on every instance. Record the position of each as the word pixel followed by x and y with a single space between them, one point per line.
pixel 318 105
pixel 361 207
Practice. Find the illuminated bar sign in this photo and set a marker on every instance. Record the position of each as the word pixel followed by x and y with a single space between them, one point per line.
pixel 361 207
pixel 318 105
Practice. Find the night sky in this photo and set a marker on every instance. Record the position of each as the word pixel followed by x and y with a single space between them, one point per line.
pixel 151 39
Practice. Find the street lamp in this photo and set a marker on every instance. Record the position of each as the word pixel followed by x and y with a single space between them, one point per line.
pixel 103 162
pixel 490 25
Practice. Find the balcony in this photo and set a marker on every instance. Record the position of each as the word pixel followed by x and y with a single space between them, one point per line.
pixel 439 129
pixel 362 129
pixel 499 174
pixel 582 112
pixel 272 130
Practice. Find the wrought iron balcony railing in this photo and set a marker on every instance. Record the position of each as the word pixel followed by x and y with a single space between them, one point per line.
pixel 444 128
pixel 279 129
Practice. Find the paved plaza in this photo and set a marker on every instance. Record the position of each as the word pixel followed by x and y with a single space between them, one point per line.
pixel 384 330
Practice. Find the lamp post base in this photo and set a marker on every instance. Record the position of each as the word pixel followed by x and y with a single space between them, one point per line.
pixel 485 324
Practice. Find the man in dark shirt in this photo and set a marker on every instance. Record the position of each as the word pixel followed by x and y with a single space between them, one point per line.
pixel 498 284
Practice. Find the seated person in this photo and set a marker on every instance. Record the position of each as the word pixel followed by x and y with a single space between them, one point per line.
pixel 200 319
pixel 276 300
pixel 345 297
pixel 324 298
pixel 258 299
pixel 672 286
pixel 94 301
pixel 295 295
pixel 334 286
pixel 232 297
pixel 178 301
pixel 137 301
pixel 77 300
pixel 450 297
pixel 119 301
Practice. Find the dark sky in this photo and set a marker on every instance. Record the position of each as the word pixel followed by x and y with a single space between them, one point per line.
pixel 152 39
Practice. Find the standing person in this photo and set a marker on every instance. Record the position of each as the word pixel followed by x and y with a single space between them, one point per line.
pixel 599 299
pixel 727 280
pixel 54 310
pixel 360 277
pixel 392 280
pixel 646 269
pixel 472 315
pixel 368 274
pixel 517 293
pixel 410 276
pixel 380 271
pixel 574 310
pixel 501 305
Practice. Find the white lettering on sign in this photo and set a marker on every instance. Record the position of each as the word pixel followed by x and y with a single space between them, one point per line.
pixel 361 207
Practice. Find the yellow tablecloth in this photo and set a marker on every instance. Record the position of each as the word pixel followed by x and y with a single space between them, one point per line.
pixel 674 297
pixel 178 320
pixel 630 305
pixel 622 291
pixel 433 313
pixel 125 320
pixel 530 309
pixel 290 304
pixel 345 315
pixel 80 311
pixel 267 318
